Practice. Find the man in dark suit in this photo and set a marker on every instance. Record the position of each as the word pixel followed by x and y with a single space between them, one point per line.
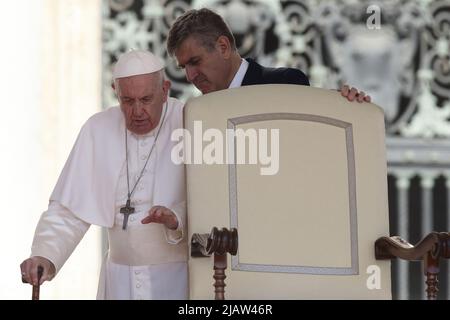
pixel 257 74
pixel 205 47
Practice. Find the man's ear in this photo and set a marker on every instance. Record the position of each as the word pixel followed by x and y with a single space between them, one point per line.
pixel 166 87
pixel 113 86
pixel 224 46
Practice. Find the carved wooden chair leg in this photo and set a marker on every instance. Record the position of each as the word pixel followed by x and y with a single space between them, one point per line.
pixel 218 243
pixel 430 249
pixel 220 265
pixel 441 249
pixel 431 271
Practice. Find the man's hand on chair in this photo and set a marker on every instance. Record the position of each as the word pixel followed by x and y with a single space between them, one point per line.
pixel 352 94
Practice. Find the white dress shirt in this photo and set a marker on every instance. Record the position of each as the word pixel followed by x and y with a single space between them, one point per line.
pixel 240 74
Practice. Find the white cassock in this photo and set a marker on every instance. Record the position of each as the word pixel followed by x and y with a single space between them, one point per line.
pixel 145 261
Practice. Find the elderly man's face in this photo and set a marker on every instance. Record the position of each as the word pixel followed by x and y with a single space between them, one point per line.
pixel 207 69
pixel 141 99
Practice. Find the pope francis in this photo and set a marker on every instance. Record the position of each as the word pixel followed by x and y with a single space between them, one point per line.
pixel 119 175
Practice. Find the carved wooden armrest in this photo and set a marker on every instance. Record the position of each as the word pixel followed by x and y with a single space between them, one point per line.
pixel 218 243
pixel 199 242
pixel 430 249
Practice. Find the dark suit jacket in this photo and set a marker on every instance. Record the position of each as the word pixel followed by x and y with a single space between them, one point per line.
pixel 257 74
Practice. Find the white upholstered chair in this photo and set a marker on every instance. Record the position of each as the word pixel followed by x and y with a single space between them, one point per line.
pixel 303 226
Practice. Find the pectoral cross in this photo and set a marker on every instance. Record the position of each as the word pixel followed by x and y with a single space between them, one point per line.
pixel 126 211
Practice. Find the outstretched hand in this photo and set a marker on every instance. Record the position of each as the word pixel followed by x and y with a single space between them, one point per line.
pixel 29 270
pixel 163 215
pixel 352 94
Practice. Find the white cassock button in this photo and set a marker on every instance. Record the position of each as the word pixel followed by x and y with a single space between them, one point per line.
pixel 138 285
pixel 137 272
pixel 132 219
pixel 143 144
pixel 143 157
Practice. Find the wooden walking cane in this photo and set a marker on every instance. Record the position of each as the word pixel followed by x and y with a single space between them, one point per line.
pixel 35 292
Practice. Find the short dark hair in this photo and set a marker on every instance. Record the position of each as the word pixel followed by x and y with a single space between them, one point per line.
pixel 204 24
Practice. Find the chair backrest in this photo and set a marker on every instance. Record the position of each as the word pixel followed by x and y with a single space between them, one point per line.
pixel 307 221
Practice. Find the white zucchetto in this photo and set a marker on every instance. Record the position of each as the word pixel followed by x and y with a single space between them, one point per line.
pixel 136 62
